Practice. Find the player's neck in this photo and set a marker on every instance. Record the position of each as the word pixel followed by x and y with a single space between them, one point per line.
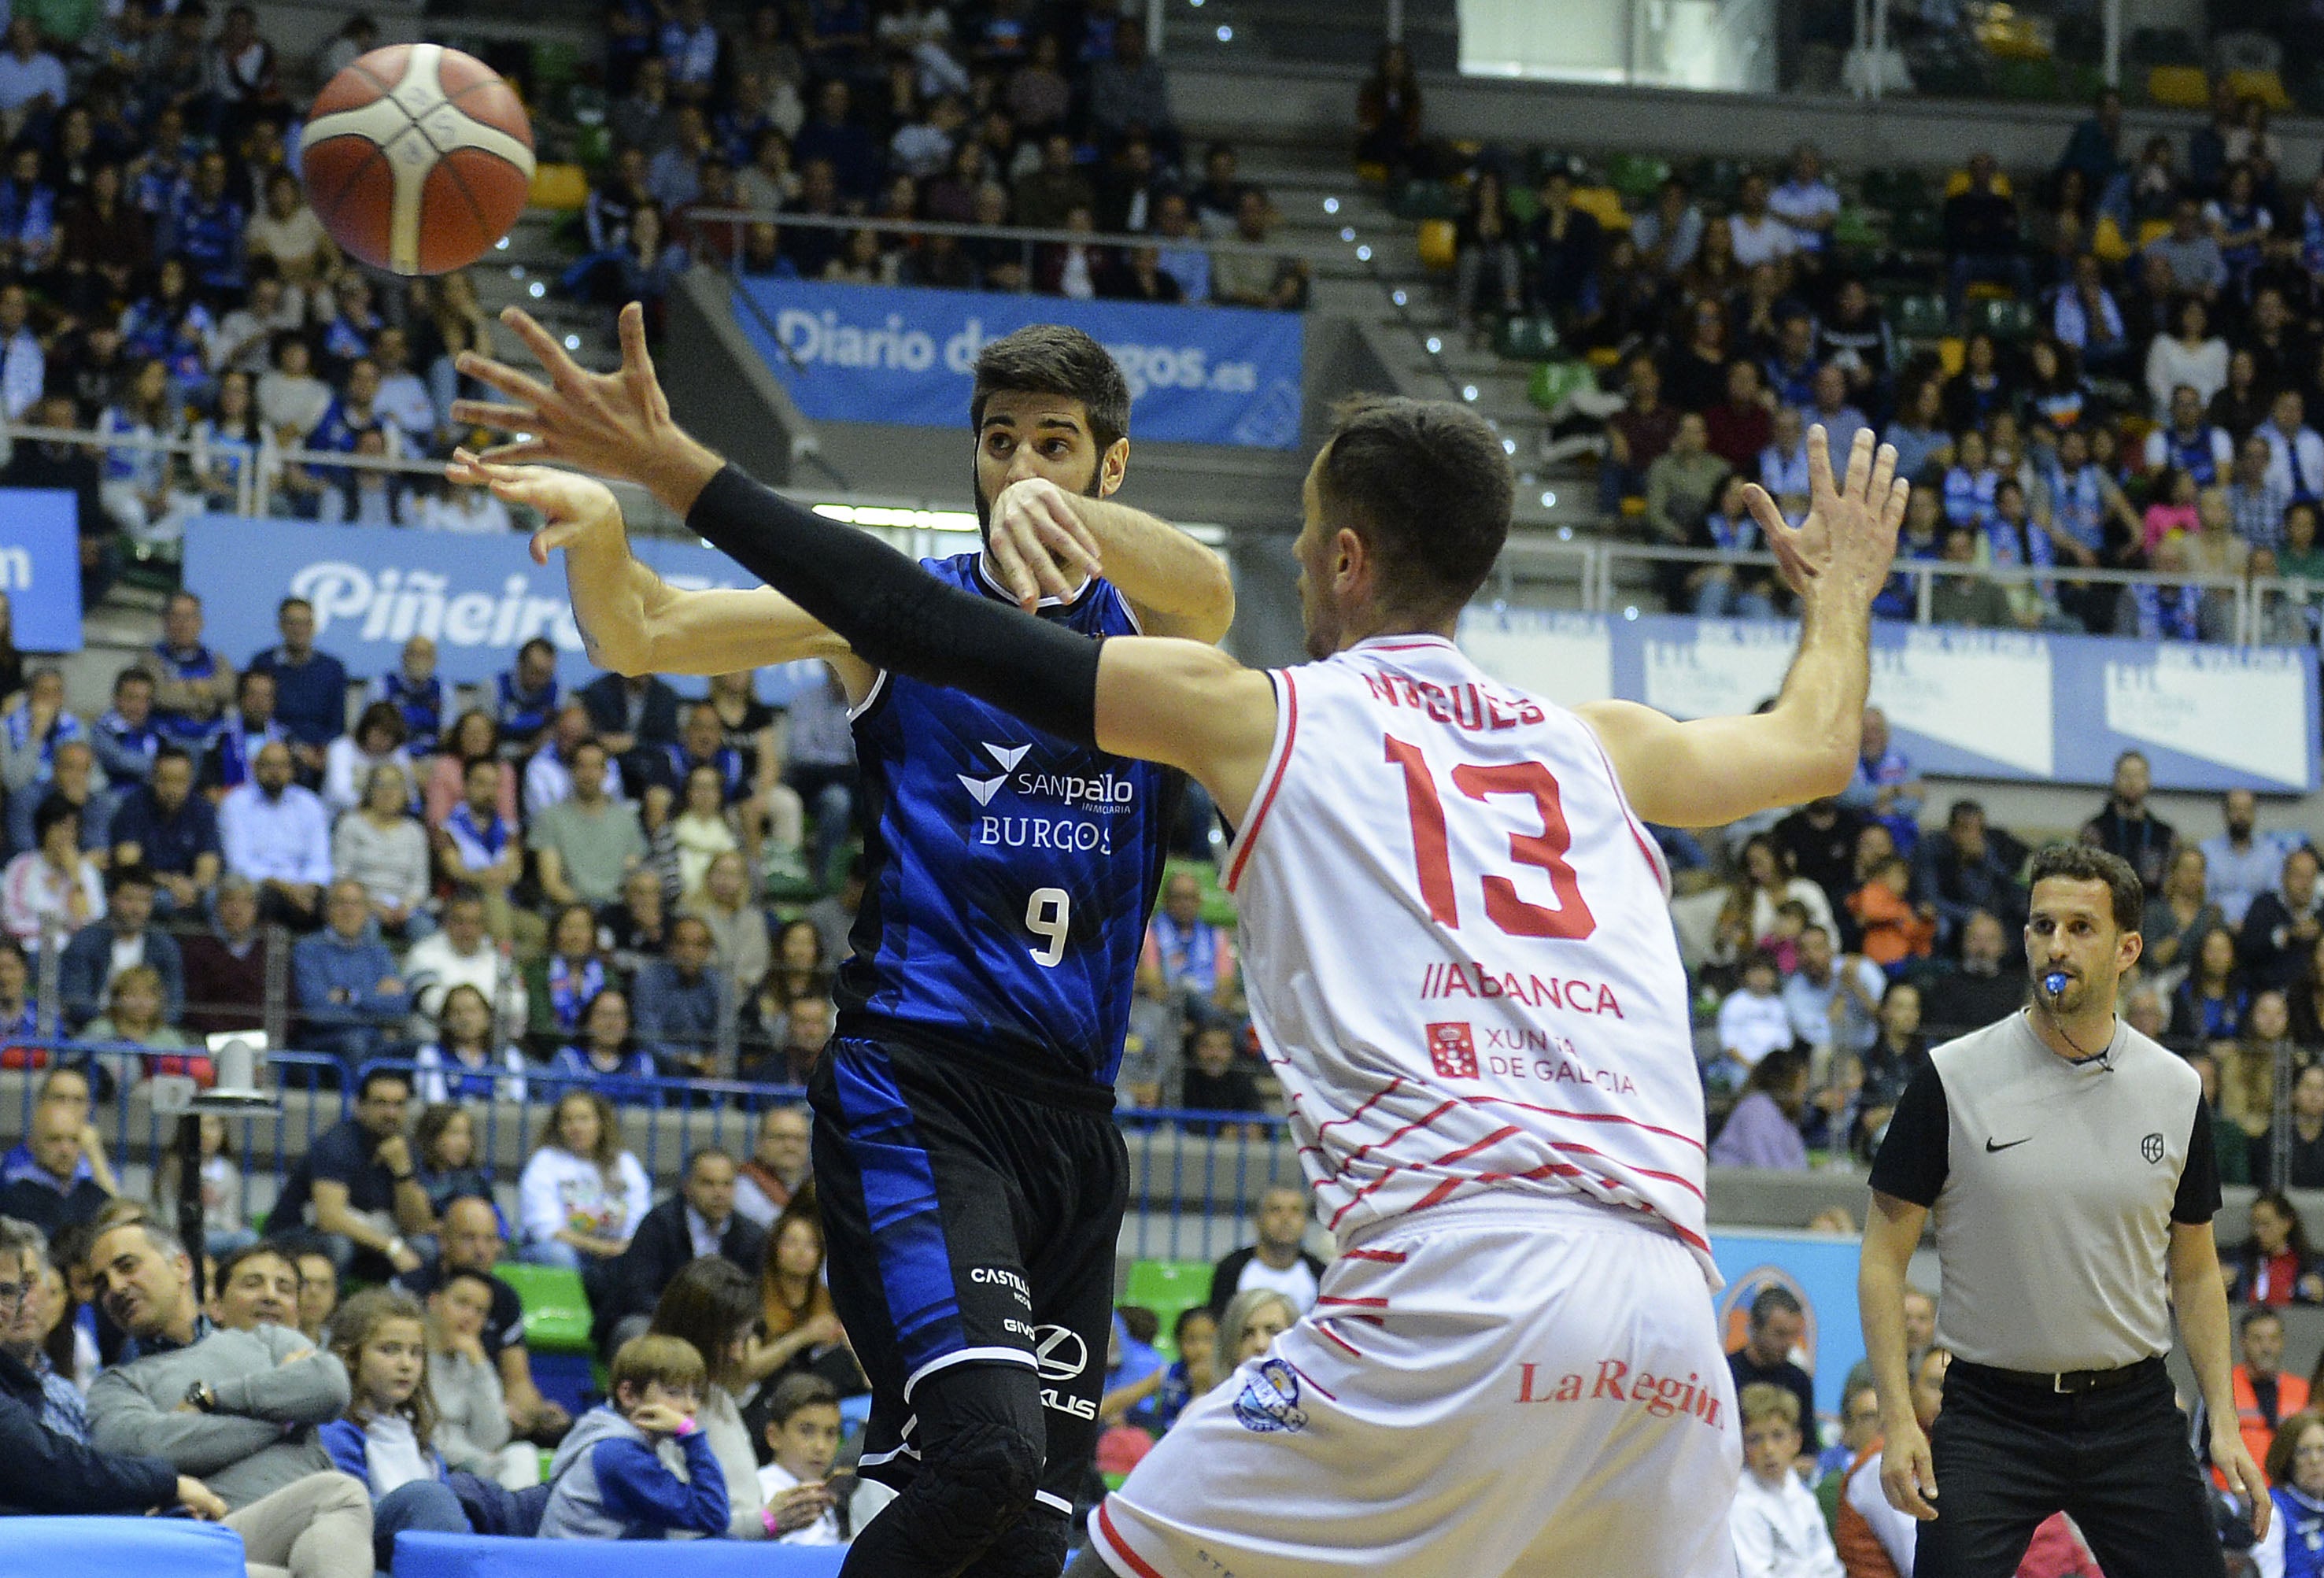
pixel 1369 624
pixel 2078 1037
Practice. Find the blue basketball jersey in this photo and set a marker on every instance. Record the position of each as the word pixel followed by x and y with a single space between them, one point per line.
pixel 1009 873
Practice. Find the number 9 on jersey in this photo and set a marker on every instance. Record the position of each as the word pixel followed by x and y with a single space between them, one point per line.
pixel 1048 915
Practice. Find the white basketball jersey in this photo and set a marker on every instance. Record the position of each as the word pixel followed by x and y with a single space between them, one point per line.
pixel 1457 946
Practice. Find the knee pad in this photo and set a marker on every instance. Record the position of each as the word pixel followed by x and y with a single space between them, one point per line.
pixel 1035 1547
pixel 982 1484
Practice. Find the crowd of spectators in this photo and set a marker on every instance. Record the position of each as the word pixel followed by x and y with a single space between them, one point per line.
pixel 2115 364
pixel 1038 117
pixel 163 279
pixel 1832 945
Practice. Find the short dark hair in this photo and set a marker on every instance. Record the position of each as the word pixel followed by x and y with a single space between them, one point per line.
pixel 709 1153
pixel 135 873
pixel 1774 1299
pixel 2083 863
pixel 371 1076
pixel 1426 484
pixel 2256 1313
pixel 133 674
pixel 173 753
pixel 795 1392
pixel 51 810
pixel 233 1258
pixel 1049 358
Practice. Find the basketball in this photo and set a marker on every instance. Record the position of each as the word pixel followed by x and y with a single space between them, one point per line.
pixel 417 158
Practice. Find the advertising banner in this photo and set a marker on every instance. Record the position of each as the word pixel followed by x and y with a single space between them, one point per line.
pixel 886 353
pixel 1961 702
pixel 1820 1271
pixel 40 568
pixel 478 598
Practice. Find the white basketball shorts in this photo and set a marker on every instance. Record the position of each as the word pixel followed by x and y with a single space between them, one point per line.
pixel 1511 1386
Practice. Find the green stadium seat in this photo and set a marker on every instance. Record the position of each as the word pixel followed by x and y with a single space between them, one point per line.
pixel 1554 383
pixel 1634 176
pixel 556 1308
pixel 1525 203
pixel 1922 318
pixel 1855 227
pixel 1523 338
pixel 1426 199
pixel 2003 317
pixel 1169 1288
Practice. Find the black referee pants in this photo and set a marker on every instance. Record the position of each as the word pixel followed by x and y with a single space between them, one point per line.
pixel 2116 1462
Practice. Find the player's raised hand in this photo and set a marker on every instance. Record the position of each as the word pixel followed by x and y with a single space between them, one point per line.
pixel 614 425
pixel 574 509
pixel 1038 546
pixel 1842 552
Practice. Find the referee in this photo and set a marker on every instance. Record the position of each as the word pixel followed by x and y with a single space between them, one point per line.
pixel 2068 1159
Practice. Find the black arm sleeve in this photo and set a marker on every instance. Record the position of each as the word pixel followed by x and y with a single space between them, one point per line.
pixel 2197 1200
pixel 898 616
pixel 1916 1153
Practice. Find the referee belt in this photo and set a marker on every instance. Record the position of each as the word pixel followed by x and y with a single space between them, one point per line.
pixel 2067 1383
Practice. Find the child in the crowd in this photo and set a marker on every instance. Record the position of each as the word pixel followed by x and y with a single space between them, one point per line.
pixel 1777 1528
pixel 386 1438
pixel 471 1422
pixel 1783 941
pixel 808 1506
pixel 1752 1021
pixel 1893 929
pixel 637 1467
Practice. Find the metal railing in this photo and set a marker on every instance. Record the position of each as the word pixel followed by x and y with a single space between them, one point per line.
pixel 1027 237
pixel 1195 1176
pixel 1599 570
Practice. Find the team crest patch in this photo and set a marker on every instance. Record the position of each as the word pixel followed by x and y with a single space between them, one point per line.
pixel 1270 1400
pixel 1453 1049
pixel 2151 1148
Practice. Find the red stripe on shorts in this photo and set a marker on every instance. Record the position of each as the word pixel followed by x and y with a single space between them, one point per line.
pixel 1120 1548
pixel 1342 1342
pixel 1386 1257
pixel 1359 1302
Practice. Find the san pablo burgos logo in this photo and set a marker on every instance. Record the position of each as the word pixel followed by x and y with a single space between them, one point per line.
pixel 1068 810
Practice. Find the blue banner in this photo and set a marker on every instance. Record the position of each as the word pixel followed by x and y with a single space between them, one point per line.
pixel 40 568
pixel 875 354
pixel 1818 1271
pixel 1961 702
pixel 478 598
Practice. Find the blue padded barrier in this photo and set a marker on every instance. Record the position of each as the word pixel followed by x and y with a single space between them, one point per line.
pixel 122 1547
pixel 470 1555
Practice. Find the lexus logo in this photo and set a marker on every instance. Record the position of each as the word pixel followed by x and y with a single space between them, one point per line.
pixel 1059 1353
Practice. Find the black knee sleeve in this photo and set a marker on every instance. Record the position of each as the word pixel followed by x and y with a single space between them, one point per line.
pixel 1033 1547
pixel 982 1451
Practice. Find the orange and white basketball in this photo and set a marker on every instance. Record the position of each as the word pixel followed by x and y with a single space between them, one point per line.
pixel 417 158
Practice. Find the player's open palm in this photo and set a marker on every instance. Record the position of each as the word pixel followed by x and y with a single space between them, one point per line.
pixel 1839 556
pixel 610 424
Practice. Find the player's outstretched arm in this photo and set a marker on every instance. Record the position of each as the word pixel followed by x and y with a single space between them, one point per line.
pixel 632 620
pixel 1711 770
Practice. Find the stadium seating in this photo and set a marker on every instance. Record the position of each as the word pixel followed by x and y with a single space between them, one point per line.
pixel 1168 1288
pixel 556 1308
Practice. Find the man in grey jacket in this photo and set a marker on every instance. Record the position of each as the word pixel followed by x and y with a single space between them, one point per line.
pixel 238 1408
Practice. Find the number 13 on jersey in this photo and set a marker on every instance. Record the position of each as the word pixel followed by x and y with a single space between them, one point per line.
pixel 1545 850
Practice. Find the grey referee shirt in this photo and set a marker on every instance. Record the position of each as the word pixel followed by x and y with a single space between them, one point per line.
pixel 2054 1186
